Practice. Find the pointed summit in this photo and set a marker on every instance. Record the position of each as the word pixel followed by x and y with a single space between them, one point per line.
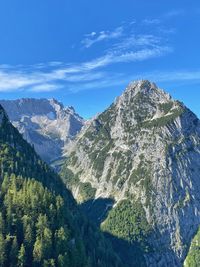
pixel 140 85
pixel 144 86
pixel 145 89
pixel 144 152
pixel 144 102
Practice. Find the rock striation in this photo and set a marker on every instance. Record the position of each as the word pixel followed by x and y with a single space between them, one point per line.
pixel 44 123
pixel 144 148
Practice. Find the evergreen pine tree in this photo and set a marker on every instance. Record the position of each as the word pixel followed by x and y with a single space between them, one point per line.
pixel 21 256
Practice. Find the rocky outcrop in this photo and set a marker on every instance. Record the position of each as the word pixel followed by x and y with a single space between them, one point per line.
pixel 45 123
pixel 145 147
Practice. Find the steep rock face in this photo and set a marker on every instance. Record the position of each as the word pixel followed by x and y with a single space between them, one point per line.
pixel 145 148
pixel 46 124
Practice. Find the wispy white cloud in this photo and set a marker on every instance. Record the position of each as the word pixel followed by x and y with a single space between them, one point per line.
pixel 178 75
pixel 36 80
pixel 151 21
pixel 156 76
pixel 123 56
pixel 94 37
pixel 130 47
pixel 137 41
pixel 174 13
pixel 125 46
pixel 44 82
pixel 131 56
pixel 15 80
pixel 45 87
pixel 133 22
pixel 51 76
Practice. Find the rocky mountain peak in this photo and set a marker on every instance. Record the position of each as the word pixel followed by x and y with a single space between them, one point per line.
pixel 71 109
pixel 145 148
pixel 55 103
pixel 143 91
pixel 142 85
pixel 143 103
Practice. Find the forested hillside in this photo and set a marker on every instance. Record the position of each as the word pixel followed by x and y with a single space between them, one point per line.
pixel 40 224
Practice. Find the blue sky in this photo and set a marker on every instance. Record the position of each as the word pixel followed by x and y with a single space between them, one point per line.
pixel 84 53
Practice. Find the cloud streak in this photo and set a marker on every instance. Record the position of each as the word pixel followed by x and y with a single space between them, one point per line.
pixel 151 21
pixel 125 47
pixel 93 37
pixel 156 76
pixel 37 83
pixel 174 13
pixel 84 72
pixel 37 79
pixel 45 87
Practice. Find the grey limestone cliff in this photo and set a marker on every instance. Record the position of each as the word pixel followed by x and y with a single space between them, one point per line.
pixel 145 147
pixel 45 123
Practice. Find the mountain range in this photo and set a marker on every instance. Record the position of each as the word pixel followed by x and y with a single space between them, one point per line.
pixel 44 123
pixel 133 169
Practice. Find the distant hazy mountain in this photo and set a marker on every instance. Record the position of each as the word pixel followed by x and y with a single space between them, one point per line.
pixel 143 154
pixel 45 123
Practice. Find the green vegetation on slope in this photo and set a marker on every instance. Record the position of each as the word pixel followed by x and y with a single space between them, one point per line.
pixel 35 228
pixel 128 229
pixel 40 224
pixel 86 191
pixel 193 257
pixel 128 221
pixel 68 177
pixel 164 120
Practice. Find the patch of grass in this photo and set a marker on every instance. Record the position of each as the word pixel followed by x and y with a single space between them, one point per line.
pixel 166 107
pixel 86 191
pixel 160 122
pixel 69 178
